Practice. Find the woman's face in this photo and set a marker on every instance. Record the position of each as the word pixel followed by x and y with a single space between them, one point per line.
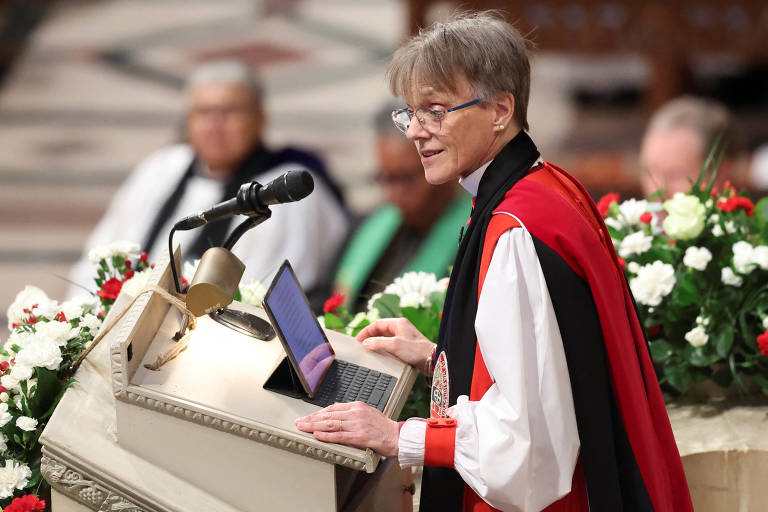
pixel 466 137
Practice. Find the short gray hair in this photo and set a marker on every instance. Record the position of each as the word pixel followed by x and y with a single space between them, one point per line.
pixel 489 52
pixel 708 118
pixel 227 71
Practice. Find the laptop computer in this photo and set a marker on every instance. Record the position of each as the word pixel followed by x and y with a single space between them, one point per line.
pixel 312 371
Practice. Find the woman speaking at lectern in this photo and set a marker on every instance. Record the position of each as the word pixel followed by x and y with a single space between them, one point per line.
pixel 544 395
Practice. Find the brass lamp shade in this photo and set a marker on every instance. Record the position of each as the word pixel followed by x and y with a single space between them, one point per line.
pixel 215 282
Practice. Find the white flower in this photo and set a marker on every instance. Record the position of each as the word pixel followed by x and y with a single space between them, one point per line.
pixel 760 256
pixel 48 309
pixel 26 423
pixel 765 323
pixel 742 257
pixel 686 217
pixel 709 203
pixel 636 243
pixel 714 218
pixel 3 443
pixel 96 254
pixel 39 352
pixel 653 282
pixel 17 401
pixel 730 227
pixel 125 249
pixel 632 209
pixel 717 230
pixel 697 257
pixel 373 299
pixel 697 336
pixel 414 288
pixel 5 416
pixel 137 283
pixel 252 293
pixel 189 269
pixel 633 267
pixel 412 299
pixel 355 322
pixel 4 396
pixel 728 277
pixel 14 475
pixel 91 321
pixel 58 332
pixel 614 222
pixel 25 299
pixel 72 309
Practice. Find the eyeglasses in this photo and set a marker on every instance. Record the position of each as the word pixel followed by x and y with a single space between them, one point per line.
pixel 429 119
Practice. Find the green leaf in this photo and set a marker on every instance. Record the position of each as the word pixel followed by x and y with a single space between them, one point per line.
pixel 333 322
pixel 699 356
pixel 36 476
pixel 360 326
pixel 48 388
pixel 661 350
pixel 761 213
pixel 388 305
pixel 723 340
pixel 683 376
pixel 423 320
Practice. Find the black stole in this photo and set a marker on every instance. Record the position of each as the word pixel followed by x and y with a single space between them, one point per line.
pixel 442 488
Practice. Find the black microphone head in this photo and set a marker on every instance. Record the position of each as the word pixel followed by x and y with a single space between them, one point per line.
pixel 291 186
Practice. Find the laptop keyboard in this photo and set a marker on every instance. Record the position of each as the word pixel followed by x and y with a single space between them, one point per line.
pixel 348 382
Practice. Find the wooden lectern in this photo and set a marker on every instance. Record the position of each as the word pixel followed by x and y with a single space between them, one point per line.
pixel 201 433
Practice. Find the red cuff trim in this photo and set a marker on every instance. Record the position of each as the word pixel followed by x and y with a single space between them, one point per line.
pixel 439 442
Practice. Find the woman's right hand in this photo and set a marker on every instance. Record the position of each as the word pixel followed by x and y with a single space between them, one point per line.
pixel 399 337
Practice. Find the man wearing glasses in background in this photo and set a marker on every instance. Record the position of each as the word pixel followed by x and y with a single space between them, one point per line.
pixel 416 230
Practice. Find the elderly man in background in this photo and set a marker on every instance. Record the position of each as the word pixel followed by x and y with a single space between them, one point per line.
pixel 416 230
pixel 677 141
pixel 224 129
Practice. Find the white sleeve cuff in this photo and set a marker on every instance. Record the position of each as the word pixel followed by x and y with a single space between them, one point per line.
pixel 411 443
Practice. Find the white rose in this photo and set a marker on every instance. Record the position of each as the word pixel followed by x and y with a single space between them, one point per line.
pixel 96 254
pixel 25 299
pixel 697 336
pixel 40 352
pixel 26 423
pixel 717 230
pixel 125 249
pixel 685 219
pixel 5 416
pixel 760 256
pixel 14 475
pixel 253 293
pixel 728 277
pixel 633 267
pixel 636 243
pixel 697 257
pixel 742 257
pixel 58 332
pixel 653 282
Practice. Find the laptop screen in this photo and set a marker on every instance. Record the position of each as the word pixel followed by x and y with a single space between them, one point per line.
pixel 304 340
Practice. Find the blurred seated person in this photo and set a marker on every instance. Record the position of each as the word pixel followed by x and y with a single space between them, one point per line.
pixel 416 230
pixel 224 127
pixel 677 141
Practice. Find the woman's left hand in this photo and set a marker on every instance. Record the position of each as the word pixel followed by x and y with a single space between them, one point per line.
pixel 355 424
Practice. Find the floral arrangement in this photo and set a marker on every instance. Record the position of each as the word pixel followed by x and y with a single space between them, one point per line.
pixel 417 296
pixel 697 265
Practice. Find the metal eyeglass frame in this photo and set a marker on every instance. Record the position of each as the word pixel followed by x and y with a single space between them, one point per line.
pixel 438 114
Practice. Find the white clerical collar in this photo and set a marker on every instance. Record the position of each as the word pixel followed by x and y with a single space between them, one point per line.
pixel 472 182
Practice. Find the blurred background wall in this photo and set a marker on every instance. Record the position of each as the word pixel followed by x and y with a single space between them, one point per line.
pixel 89 88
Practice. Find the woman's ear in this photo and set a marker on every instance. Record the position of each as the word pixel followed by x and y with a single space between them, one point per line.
pixel 503 110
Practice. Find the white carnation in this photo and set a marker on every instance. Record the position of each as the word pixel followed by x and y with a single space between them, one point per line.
pixel 253 293
pixel 25 299
pixel 414 288
pixel 5 416
pixel 17 401
pixel 760 256
pixel 42 352
pixel 697 336
pixel 96 254
pixel 138 282
pixel 4 396
pixel 613 222
pixel 125 249
pixel 632 209
pixel 653 282
pixel 91 321
pixel 58 332
pixel 26 423
pixel 742 257
pixel 727 276
pixel 72 309
pixel 14 475
pixel 3 443
pixel 48 309
pixel 636 243
pixel 697 257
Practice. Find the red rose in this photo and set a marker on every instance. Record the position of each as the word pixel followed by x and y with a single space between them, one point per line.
pixel 27 503
pixel 334 302
pixel 110 289
pixel 762 342
pixel 605 202
pixel 128 274
pixel 646 218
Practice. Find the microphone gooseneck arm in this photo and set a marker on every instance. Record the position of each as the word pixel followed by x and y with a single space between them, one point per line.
pixel 240 230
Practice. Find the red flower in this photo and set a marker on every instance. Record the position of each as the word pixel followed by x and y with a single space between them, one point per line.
pixel 100 314
pixel 714 192
pixel 762 342
pixel 26 311
pixel 143 257
pixel 606 201
pixel 3 366
pixel 128 274
pixel 15 325
pixel 646 218
pixel 110 289
pixel 735 203
pixel 672 242
pixel 128 263
pixel 27 503
pixel 334 302
pixel 60 316
pixel 654 330
pixel 32 320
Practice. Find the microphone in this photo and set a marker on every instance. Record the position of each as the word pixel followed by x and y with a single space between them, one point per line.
pixel 253 199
